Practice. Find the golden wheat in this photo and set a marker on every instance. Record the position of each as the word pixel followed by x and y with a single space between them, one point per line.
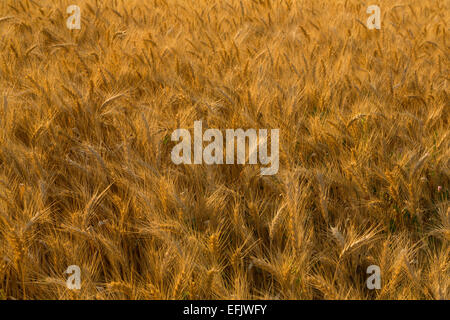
pixel 86 177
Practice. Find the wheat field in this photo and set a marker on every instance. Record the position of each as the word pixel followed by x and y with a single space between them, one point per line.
pixel 86 177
